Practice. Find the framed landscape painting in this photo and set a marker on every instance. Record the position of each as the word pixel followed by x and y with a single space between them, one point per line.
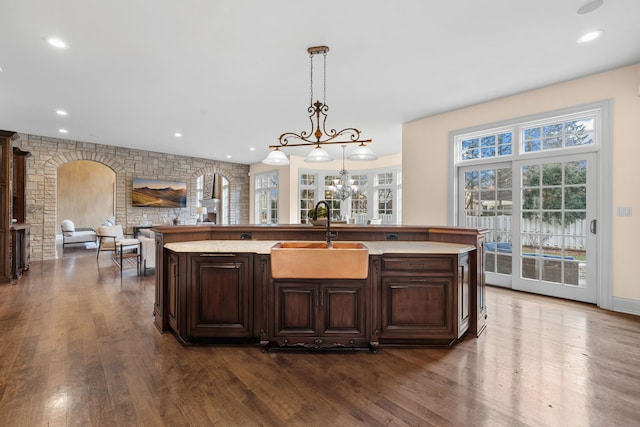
pixel 154 193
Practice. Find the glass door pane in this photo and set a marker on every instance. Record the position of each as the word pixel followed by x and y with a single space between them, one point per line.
pixel 488 203
pixel 557 201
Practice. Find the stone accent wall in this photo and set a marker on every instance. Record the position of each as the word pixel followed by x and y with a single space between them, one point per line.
pixel 47 154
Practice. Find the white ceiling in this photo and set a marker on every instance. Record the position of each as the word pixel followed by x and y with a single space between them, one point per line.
pixel 231 75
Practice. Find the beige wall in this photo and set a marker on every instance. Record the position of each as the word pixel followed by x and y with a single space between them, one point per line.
pixel 425 156
pixel 288 179
pixel 85 193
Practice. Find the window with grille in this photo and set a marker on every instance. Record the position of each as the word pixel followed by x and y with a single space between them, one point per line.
pixel 494 144
pixel 377 196
pixel 266 198
pixel 556 135
pixel 384 197
pixel 308 189
pixel 505 143
pixel 526 182
pixel 360 202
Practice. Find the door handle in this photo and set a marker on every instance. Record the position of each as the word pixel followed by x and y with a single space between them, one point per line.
pixel 593 226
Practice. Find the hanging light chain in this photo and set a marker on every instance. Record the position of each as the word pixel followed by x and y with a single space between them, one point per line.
pixel 324 75
pixel 311 67
pixel 318 134
pixel 312 52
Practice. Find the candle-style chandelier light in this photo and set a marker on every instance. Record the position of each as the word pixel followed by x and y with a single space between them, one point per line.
pixel 318 135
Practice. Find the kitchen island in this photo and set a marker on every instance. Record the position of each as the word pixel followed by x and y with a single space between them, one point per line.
pixel 211 287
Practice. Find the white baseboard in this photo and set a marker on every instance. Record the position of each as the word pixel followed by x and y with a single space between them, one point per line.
pixel 622 305
pixel 626 305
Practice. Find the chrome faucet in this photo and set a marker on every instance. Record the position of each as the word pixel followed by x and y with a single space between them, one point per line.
pixel 315 217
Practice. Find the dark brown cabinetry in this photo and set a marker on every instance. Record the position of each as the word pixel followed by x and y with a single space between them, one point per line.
pixel 19 178
pixel 422 299
pixel 173 281
pixel 409 299
pixel 445 291
pixel 464 295
pixel 20 249
pixel 208 296
pixel 320 314
pixel 261 287
pixel 15 250
pixel 5 205
pixel 220 296
pixel 469 236
pixel 477 238
pixel 478 292
pixel 162 288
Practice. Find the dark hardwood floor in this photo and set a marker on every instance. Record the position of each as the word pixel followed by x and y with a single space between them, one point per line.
pixel 78 347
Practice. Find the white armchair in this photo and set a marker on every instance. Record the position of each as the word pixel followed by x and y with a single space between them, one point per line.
pixel 71 234
pixel 111 238
pixel 147 249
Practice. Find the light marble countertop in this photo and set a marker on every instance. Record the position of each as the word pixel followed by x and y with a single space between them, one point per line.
pixel 264 247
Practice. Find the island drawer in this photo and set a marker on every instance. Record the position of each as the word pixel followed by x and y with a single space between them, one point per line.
pixel 435 264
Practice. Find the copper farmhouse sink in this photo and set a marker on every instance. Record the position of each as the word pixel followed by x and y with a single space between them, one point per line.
pixel 318 260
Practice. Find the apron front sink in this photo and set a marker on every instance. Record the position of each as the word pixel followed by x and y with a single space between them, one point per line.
pixel 318 260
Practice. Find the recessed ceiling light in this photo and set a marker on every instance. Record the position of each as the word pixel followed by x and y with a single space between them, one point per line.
pixel 63 131
pixel 252 149
pixel 228 156
pixel 61 112
pixel 56 42
pixel 177 135
pixel 590 36
pixel 589 7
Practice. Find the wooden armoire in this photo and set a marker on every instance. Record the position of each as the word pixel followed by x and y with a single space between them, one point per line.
pixel 15 251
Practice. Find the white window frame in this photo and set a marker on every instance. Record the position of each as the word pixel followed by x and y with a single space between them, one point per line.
pixel 269 196
pixel 304 212
pixel 371 190
pixel 605 184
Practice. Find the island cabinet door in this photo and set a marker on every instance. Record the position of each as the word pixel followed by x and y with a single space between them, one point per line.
pixel 159 316
pixel 173 282
pixel 419 309
pixel 320 314
pixel 220 296
pixel 295 312
pixel 478 292
pixel 419 299
pixel 465 304
pixel 261 286
pixel 343 313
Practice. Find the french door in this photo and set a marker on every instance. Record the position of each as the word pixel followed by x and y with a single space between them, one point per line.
pixel 557 227
pixel 541 214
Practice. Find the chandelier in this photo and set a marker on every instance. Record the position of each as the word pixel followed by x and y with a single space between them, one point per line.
pixel 343 187
pixel 318 135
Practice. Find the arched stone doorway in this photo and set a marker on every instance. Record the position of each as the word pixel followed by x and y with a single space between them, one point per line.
pixel 227 200
pixel 48 192
pixel 85 193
